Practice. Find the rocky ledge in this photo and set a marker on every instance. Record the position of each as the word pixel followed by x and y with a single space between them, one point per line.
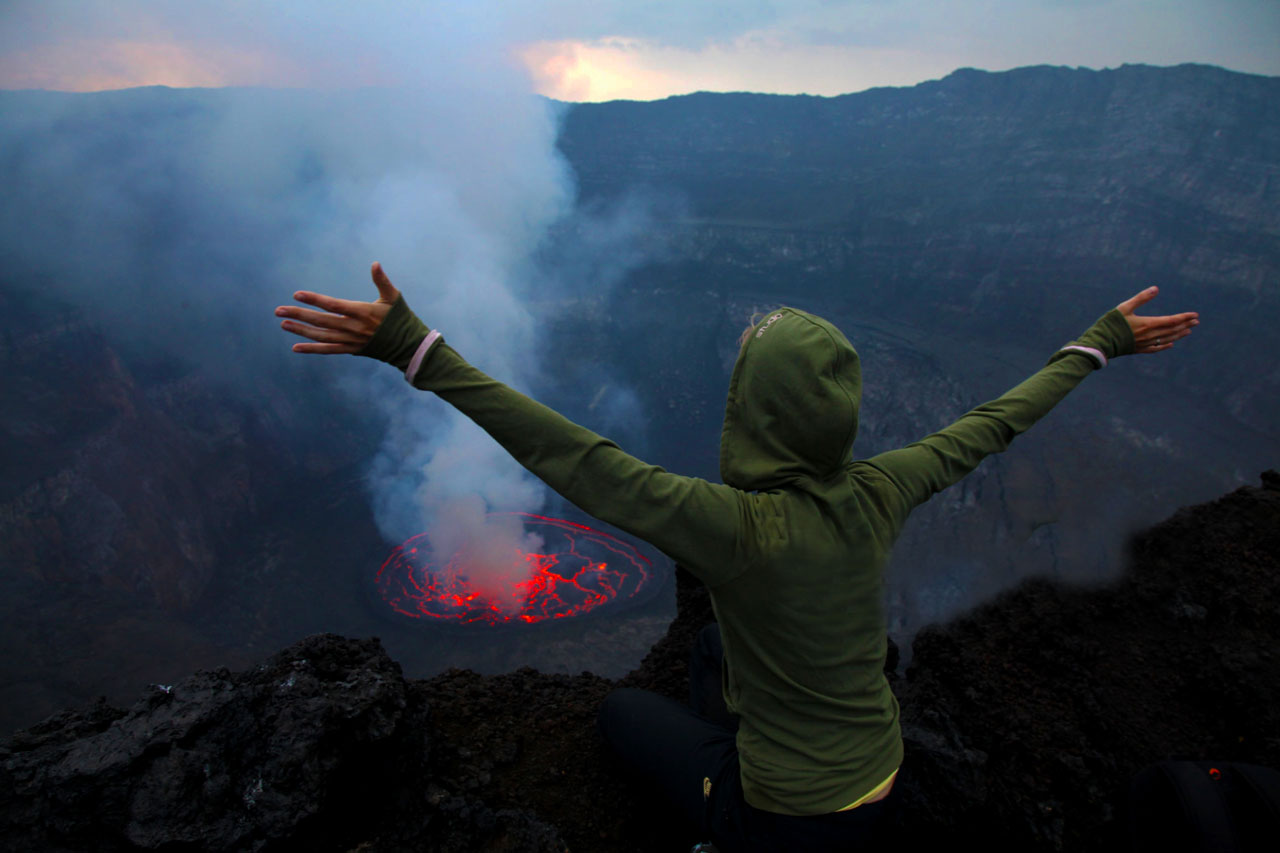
pixel 1024 722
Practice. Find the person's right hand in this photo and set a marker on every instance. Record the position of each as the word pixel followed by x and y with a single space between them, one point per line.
pixel 1154 334
pixel 347 327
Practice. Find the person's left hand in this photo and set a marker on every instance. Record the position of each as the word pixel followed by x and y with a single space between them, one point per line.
pixel 347 327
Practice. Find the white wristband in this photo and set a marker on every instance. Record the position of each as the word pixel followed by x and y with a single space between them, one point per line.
pixel 1095 354
pixel 415 363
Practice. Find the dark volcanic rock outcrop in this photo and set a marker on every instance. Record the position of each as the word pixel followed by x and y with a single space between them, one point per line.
pixel 309 751
pixel 1024 722
pixel 1059 695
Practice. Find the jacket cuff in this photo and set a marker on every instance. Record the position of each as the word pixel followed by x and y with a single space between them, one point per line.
pixel 1106 339
pixel 401 340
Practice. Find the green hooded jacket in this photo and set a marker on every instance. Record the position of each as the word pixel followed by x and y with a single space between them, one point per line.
pixel 792 546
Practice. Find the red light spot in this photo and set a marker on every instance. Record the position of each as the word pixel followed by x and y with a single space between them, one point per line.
pixel 1215 773
pixel 579 570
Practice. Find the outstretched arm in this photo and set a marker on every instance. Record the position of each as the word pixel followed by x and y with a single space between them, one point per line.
pixel 693 521
pixel 928 466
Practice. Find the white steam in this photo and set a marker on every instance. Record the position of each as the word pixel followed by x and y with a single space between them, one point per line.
pixel 179 219
pixel 488 550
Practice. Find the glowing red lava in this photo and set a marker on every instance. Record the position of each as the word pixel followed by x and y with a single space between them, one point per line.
pixel 578 569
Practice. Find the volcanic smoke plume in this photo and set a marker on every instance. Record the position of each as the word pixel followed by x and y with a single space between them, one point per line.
pixel 486 550
pixel 178 218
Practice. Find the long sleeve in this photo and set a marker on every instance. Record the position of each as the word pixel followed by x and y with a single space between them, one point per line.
pixel 928 466
pixel 695 522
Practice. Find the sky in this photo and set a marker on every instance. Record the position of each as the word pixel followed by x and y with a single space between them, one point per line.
pixel 594 50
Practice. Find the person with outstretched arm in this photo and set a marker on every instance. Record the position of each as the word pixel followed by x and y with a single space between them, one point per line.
pixel 801 749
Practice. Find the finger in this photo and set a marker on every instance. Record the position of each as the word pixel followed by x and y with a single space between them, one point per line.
pixel 1172 321
pixel 1163 342
pixel 1149 333
pixel 1153 325
pixel 386 290
pixel 1137 300
pixel 346 307
pixel 318 318
pixel 330 336
pixel 326 349
pixel 1164 335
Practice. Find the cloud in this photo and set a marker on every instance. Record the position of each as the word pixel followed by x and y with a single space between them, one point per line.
pixel 593 49
pixel 830 49
pixel 86 65
pixel 612 69
pixel 312 43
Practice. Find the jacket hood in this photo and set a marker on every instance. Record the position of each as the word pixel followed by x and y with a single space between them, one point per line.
pixel 792 411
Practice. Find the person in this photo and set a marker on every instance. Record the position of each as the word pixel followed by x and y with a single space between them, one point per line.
pixel 804 750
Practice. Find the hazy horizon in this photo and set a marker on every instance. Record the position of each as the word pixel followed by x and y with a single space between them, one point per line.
pixel 588 52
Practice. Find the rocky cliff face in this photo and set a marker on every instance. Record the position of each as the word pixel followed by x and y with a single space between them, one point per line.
pixel 1023 720
pixel 975 176
pixel 1011 203
pixel 133 493
pixel 110 511
pixel 958 231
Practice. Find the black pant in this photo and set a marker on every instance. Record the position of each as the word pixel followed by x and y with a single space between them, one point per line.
pixel 693 758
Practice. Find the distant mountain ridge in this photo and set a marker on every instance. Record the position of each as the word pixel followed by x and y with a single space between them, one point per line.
pixel 978 180
pixel 1016 202
pixel 1017 120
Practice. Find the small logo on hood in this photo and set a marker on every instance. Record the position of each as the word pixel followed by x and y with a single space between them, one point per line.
pixel 775 318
